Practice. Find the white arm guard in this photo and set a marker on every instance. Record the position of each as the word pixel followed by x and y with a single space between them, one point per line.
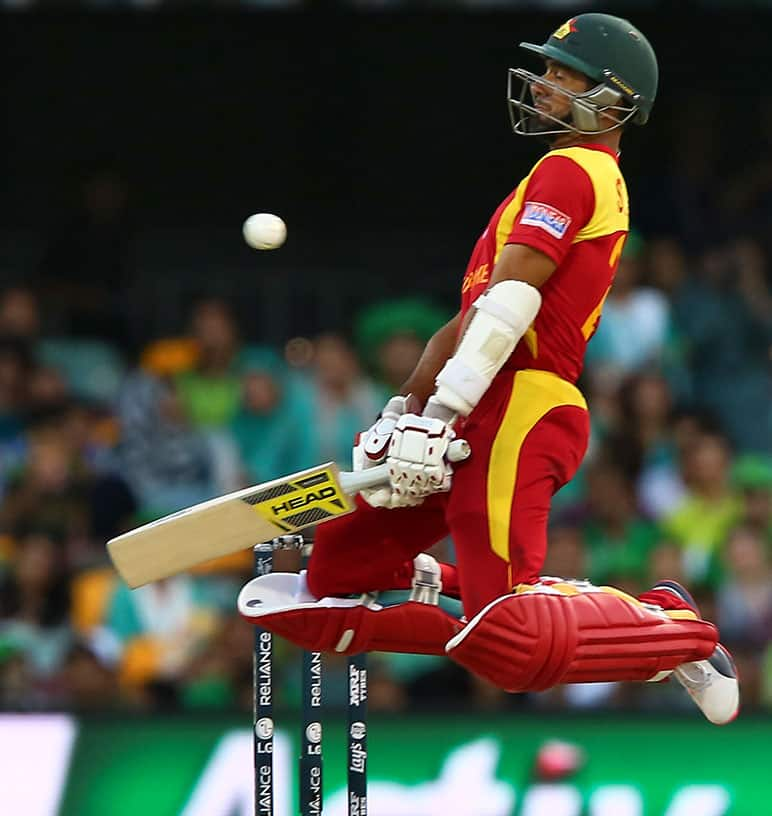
pixel 504 313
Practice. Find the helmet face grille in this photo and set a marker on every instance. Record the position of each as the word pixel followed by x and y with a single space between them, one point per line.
pixel 586 108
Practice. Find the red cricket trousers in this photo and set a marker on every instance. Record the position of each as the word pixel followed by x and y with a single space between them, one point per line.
pixel 528 436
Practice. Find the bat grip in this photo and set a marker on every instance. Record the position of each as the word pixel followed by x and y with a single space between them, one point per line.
pixel 458 450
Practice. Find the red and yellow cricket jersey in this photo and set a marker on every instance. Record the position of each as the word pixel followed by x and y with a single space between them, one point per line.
pixel 573 207
pixel 529 431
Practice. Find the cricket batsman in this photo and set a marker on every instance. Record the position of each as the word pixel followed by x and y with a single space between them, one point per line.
pixel 502 374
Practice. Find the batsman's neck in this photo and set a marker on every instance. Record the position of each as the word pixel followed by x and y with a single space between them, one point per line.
pixel 610 140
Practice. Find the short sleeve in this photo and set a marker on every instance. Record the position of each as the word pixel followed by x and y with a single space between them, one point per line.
pixel 559 200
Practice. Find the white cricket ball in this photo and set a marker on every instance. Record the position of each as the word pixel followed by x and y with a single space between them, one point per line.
pixel 264 231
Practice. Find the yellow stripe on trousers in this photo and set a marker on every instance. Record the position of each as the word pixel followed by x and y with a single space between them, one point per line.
pixel 534 393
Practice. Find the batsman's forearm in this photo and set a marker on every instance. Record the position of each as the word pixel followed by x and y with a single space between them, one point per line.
pixel 439 348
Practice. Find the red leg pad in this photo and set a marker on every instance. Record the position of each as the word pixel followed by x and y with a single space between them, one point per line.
pixel 533 641
pixel 416 628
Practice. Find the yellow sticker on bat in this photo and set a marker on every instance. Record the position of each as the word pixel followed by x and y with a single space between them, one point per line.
pixel 299 502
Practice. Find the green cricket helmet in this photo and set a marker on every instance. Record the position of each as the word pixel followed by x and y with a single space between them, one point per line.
pixel 610 52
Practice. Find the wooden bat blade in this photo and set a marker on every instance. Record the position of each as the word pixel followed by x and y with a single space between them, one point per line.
pixel 228 524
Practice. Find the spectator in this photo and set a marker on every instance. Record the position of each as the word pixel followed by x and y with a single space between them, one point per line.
pixel 167 463
pixel 344 401
pixel 617 540
pixel 16 366
pixel 668 265
pixel 209 393
pixel 50 488
pixel 644 443
pixel 274 428
pixel 34 609
pixel 566 552
pixel 744 598
pixel 744 604
pixel 700 522
pixel 723 313
pixel 752 476
pixel 16 685
pixel 163 628
pixel 88 681
pixel 47 390
pixel 635 327
pixel 666 561
pixel 220 676
pixel 57 485
pixel 20 315
pixel 391 337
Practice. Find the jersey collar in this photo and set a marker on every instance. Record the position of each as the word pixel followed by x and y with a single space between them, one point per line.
pixel 601 148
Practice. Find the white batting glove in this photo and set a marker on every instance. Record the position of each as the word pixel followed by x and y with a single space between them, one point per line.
pixel 417 466
pixel 371 448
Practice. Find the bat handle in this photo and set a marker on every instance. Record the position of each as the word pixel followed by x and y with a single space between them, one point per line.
pixel 352 483
pixel 458 450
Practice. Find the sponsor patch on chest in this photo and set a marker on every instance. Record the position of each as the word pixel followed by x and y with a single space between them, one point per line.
pixel 552 221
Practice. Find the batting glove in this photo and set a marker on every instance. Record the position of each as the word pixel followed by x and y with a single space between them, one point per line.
pixel 417 466
pixel 371 448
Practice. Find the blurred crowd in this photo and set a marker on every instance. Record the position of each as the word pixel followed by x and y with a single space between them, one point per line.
pixel 677 482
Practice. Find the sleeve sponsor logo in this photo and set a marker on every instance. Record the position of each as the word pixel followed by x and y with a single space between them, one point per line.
pixel 552 221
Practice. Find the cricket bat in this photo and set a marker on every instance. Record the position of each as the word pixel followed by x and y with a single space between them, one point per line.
pixel 239 520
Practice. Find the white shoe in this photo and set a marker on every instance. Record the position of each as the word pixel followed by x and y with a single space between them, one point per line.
pixel 713 685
